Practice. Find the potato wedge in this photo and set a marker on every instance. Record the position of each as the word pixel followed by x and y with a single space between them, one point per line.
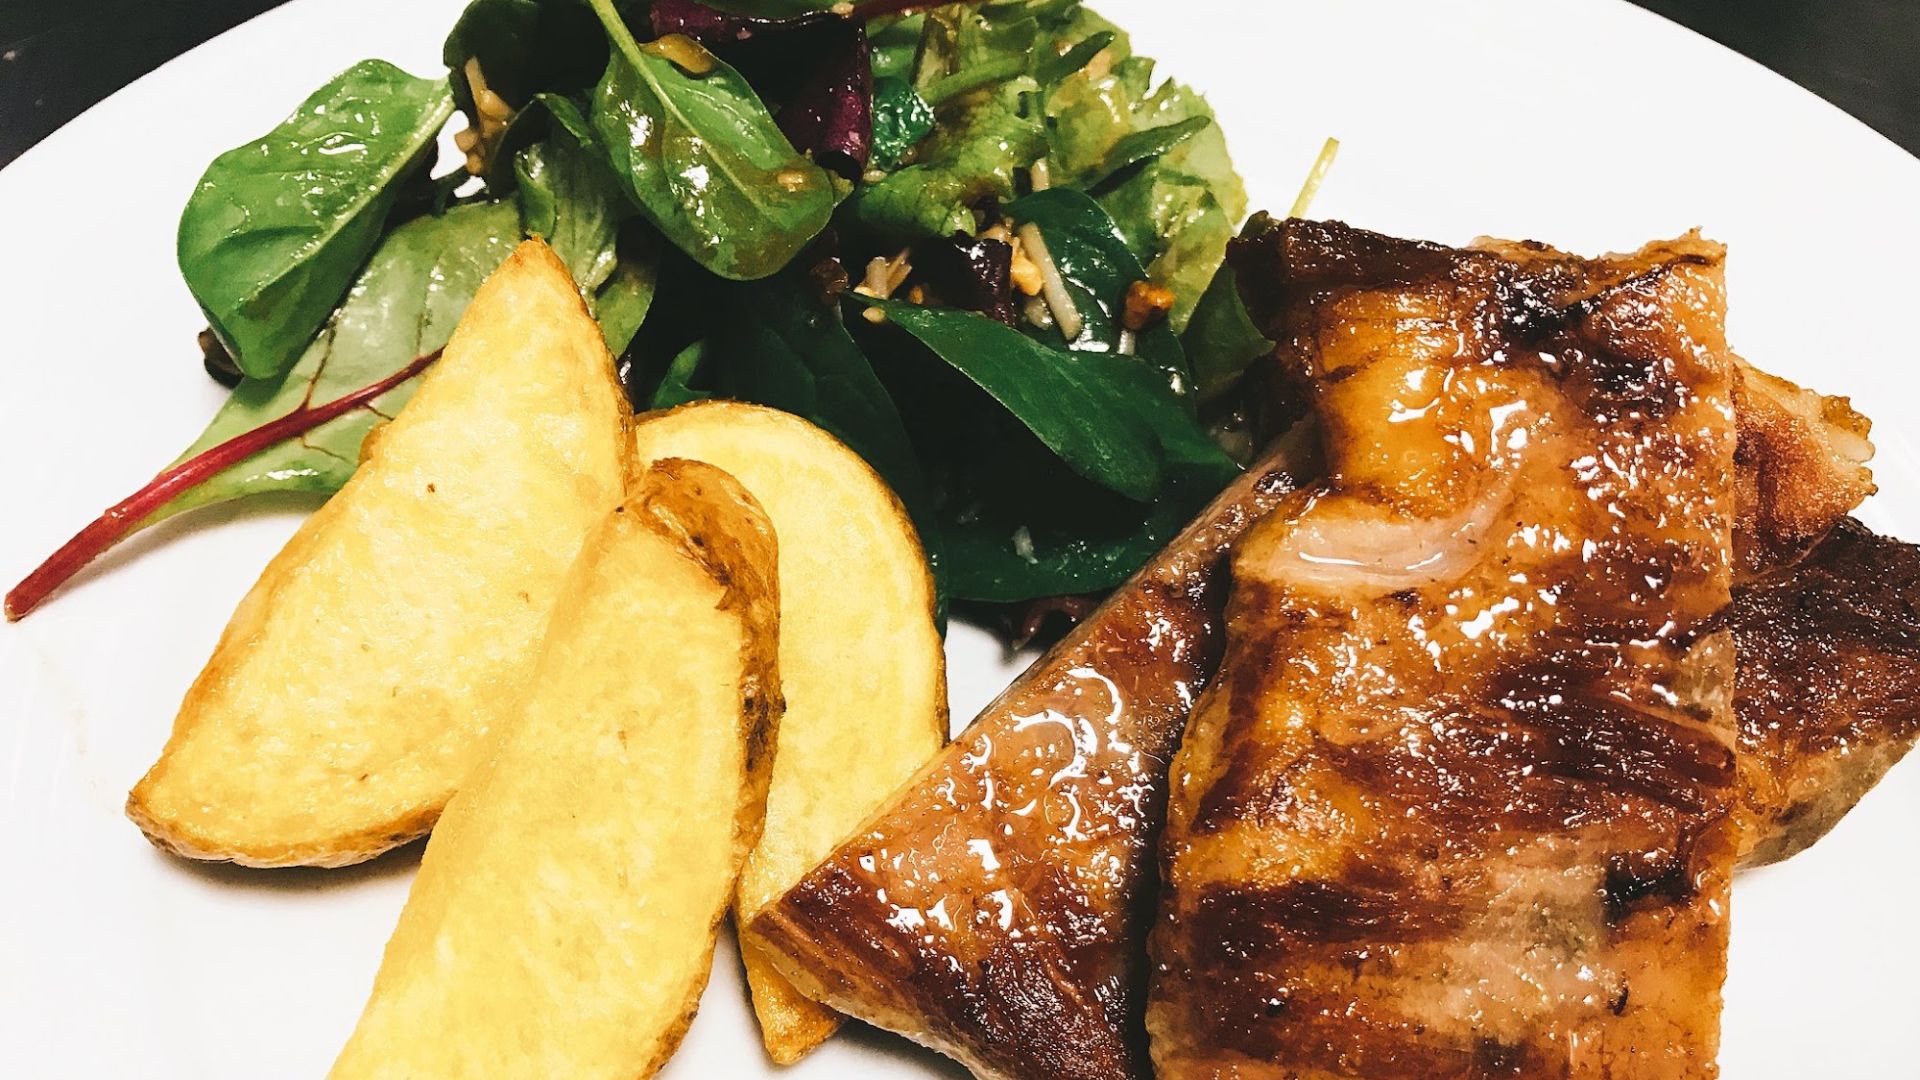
pixel 860 657
pixel 347 696
pixel 564 918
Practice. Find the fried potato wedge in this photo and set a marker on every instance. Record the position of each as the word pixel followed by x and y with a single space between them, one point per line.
pixel 860 658
pixel 349 693
pixel 563 922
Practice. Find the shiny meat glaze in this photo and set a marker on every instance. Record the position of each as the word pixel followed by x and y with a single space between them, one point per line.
pixel 997 910
pixel 1459 802
pixel 1801 462
pixel 1801 467
pixel 1828 694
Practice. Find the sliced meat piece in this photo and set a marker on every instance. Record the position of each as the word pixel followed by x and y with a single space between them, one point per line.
pixel 1044 1004
pixel 1828 694
pixel 1802 461
pixel 1801 467
pixel 997 911
pixel 1460 801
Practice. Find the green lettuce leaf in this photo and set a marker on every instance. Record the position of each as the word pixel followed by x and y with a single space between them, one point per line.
pixel 901 118
pixel 979 145
pixel 1156 161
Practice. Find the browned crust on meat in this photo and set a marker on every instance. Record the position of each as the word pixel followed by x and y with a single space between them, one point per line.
pixel 997 908
pixel 1801 467
pixel 1828 694
pixel 1459 802
pixel 990 1014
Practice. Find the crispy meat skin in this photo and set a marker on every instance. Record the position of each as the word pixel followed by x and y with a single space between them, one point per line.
pixel 1460 801
pixel 1828 692
pixel 997 910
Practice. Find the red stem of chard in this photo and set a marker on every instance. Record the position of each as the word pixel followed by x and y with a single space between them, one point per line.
pixel 125 516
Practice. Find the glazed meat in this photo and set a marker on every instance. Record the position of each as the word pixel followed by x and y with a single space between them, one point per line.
pixel 997 910
pixel 1460 801
pixel 1800 468
pixel 1828 691
pixel 1054 988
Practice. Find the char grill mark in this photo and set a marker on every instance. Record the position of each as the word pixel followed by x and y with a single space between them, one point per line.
pixel 998 908
pixel 1495 782
pixel 997 1011
pixel 1828 694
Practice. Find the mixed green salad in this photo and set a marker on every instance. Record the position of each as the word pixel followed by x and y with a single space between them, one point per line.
pixel 977 242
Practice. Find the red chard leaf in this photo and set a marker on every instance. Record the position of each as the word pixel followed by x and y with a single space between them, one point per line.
pixel 969 272
pixel 813 70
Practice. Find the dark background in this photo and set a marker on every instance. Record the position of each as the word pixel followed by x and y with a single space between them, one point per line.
pixel 59 56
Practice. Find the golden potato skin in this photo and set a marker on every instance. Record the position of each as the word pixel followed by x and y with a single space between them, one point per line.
pixel 348 694
pixel 564 918
pixel 860 657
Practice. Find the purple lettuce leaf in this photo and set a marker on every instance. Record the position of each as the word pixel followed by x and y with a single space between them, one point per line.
pixel 813 70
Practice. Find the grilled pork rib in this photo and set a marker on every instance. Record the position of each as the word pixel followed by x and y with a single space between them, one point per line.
pixel 998 909
pixel 1828 692
pixel 1045 1003
pixel 1801 467
pixel 1460 801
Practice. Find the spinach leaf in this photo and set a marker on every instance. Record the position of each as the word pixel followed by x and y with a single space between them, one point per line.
pixel 403 306
pixel 1189 451
pixel 676 386
pixel 276 229
pixel 1221 340
pixel 1018 522
pixel 1070 401
pixel 546 114
pixel 705 160
pixel 901 118
pixel 1022 542
pixel 623 300
pixel 782 348
pixel 571 201
pixel 568 116
pixel 524 47
pixel 1098 267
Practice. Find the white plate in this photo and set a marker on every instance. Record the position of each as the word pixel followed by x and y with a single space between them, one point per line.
pixel 1589 124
